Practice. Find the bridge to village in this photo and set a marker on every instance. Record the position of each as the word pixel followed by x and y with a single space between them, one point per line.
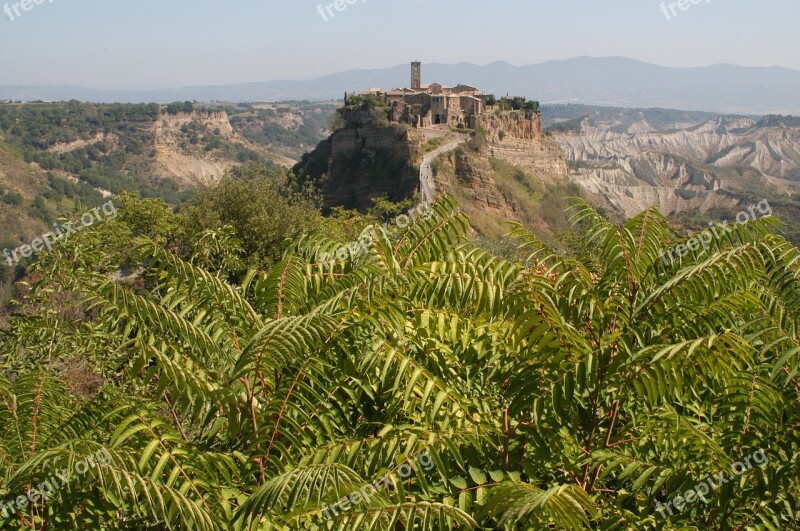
pixel 426 185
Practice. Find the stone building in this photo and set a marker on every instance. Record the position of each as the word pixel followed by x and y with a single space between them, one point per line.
pixel 435 104
pixel 461 106
pixel 416 75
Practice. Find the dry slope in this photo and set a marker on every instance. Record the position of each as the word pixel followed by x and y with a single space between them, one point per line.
pixel 700 166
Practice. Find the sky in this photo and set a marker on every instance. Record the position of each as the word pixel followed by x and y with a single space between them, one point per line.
pixel 146 44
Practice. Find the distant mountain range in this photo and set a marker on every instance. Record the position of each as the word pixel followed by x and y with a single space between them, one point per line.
pixel 614 81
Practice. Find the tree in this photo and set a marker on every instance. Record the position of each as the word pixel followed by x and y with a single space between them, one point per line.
pixel 264 208
pixel 384 210
pixel 152 218
pixel 564 392
pixel 531 105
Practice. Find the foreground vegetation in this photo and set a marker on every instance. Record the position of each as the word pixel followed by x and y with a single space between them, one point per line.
pixel 556 392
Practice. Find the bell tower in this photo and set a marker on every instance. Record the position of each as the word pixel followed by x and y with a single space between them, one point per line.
pixel 416 75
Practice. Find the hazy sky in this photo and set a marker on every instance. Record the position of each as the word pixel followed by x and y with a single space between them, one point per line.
pixel 138 44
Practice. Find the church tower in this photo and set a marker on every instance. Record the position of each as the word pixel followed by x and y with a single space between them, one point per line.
pixel 416 75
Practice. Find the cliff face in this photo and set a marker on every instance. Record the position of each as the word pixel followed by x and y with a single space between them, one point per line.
pixel 191 163
pixel 517 138
pixel 521 125
pixel 506 174
pixel 475 181
pixel 358 164
pixel 698 166
pixel 508 178
pixel 542 158
pixel 189 166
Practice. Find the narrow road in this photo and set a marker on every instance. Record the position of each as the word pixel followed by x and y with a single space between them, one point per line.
pixel 426 185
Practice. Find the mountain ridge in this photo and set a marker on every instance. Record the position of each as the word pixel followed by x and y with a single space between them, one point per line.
pixel 615 81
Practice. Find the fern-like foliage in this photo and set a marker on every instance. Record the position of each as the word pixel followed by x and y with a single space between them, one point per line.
pixel 423 384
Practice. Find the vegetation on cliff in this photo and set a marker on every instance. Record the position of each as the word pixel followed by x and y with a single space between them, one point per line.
pixel 518 103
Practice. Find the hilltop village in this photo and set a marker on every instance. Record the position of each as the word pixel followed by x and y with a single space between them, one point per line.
pixel 463 106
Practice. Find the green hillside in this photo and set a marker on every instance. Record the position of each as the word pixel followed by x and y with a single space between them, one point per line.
pixel 57 159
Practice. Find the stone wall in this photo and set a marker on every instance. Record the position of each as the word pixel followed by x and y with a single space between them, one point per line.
pixel 542 158
pixel 515 124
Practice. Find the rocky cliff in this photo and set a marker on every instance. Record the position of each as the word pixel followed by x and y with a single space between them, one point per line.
pixel 365 159
pixel 197 147
pixel 502 174
pixel 500 178
pixel 523 125
pixel 694 166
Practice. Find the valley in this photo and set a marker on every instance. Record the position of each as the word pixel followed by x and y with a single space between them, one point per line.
pixel 56 157
pixel 684 165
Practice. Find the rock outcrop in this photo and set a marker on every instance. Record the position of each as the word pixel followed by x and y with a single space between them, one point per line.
pixel 193 164
pixel 369 158
pixel 522 125
pixel 542 158
pixel 506 179
pixel 355 165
